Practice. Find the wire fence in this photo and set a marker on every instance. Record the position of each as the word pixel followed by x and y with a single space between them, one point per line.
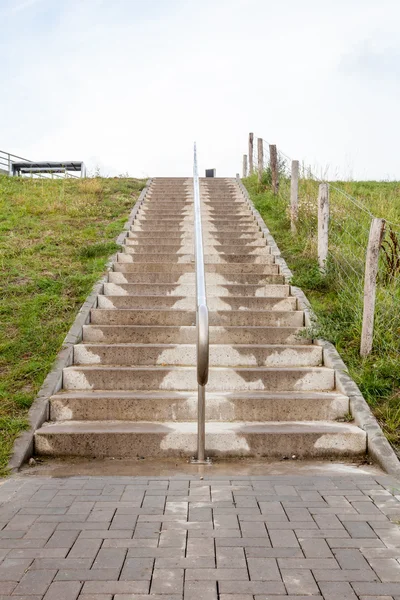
pixel 348 238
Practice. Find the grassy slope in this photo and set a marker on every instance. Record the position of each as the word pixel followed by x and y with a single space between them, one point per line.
pixel 55 238
pixel 336 304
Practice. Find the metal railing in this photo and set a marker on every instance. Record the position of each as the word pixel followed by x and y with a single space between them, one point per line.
pixel 26 167
pixel 201 317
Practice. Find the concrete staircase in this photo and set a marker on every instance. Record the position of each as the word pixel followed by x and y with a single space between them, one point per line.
pixel 132 389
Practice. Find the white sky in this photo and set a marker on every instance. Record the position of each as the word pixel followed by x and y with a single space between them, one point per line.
pixel 128 85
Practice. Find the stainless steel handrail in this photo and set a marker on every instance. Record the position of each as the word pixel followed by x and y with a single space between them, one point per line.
pixel 201 316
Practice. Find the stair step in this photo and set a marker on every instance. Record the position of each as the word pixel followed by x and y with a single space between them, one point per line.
pixel 209 259
pixel 155 249
pixel 321 439
pixel 184 278
pixel 244 244
pixel 188 302
pixel 176 316
pixel 222 291
pixel 184 378
pixel 235 355
pixel 143 334
pixel 155 405
pixel 219 236
pixel 159 267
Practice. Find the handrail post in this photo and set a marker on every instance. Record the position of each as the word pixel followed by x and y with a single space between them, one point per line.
pixel 201 320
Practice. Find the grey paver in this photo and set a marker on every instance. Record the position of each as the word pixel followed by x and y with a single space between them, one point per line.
pixel 60 590
pixel 299 581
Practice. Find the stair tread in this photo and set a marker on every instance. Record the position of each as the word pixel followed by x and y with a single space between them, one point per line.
pixel 212 427
pixel 186 367
pixel 171 394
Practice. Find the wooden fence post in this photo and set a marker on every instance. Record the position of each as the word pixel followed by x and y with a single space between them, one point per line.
pixel 376 233
pixel 244 165
pixel 323 225
pixel 260 154
pixel 294 195
pixel 251 137
pixel 273 161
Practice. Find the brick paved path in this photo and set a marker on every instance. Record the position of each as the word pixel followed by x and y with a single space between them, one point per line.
pixel 244 538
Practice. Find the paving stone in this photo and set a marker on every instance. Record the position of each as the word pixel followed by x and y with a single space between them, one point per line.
pixel 251 587
pixel 35 583
pixel 316 549
pixel 115 587
pixel 351 559
pixel 359 530
pixel 200 590
pixel 299 581
pixel 377 589
pixel 216 574
pixel 62 539
pixel 109 558
pixel 61 563
pixel 263 569
pixel 84 548
pixel 308 563
pixel 344 575
pixel 87 574
pixel 337 589
pixel 192 562
pixel 387 569
pixel 60 590
pixel 283 539
pixel 39 553
pixel 6 587
pixel 136 569
pixel 96 597
pixel 259 552
pixel 167 581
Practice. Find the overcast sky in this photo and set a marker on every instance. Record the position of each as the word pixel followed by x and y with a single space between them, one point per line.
pixel 128 85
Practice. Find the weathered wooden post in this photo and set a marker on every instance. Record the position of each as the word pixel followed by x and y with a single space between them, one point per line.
pixel 323 225
pixel 273 161
pixel 294 195
pixel 260 155
pixel 251 138
pixel 244 165
pixel 376 233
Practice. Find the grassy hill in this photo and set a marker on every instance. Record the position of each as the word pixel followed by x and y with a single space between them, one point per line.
pixel 55 238
pixel 337 298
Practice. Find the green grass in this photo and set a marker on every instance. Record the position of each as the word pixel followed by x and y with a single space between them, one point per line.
pixel 337 298
pixel 55 239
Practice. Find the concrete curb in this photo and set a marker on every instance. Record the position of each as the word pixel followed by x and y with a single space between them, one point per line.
pixel 378 446
pixel 39 411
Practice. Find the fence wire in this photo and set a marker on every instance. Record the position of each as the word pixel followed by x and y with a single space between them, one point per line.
pixel 349 226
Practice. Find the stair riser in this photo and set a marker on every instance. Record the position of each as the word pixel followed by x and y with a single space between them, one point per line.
pixel 187 335
pixel 185 379
pixel 188 302
pixel 221 251
pixel 224 291
pixel 172 444
pixel 128 257
pixel 185 409
pixel 207 228
pixel 220 356
pixel 212 278
pixel 156 242
pixel 247 269
pixel 210 238
pixel 185 317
